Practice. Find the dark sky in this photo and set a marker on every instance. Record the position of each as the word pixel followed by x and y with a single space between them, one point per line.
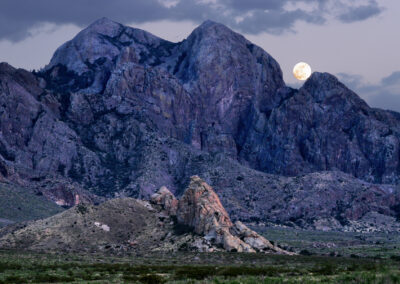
pixel 355 40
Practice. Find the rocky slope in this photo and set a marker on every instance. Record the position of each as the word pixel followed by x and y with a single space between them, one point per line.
pixel 198 222
pixel 18 204
pixel 120 112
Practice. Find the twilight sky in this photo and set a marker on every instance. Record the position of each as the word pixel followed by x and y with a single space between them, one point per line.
pixel 356 40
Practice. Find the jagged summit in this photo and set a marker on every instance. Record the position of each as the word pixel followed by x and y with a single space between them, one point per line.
pixel 5 67
pixel 213 29
pixel 101 43
pixel 323 81
pixel 326 87
pixel 103 22
pixel 104 26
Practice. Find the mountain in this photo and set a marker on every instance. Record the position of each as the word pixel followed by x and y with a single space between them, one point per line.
pixel 199 223
pixel 120 112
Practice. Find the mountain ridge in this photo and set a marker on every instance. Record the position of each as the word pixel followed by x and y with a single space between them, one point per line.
pixel 119 112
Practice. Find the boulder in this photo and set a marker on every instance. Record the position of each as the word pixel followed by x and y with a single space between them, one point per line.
pixel 254 240
pixel 166 200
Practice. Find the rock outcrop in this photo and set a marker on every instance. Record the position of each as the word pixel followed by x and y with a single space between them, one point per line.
pixel 166 200
pixel 201 209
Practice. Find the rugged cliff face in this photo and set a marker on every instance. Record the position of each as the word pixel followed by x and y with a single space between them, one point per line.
pixel 121 112
pixel 325 126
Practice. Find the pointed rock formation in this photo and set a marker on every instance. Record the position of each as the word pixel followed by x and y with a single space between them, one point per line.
pixel 201 209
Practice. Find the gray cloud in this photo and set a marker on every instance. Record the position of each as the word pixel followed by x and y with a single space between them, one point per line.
pixel 361 13
pixel 385 94
pixel 275 22
pixel 393 79
pixel 17 17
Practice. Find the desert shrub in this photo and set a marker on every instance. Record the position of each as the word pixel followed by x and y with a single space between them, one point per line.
pixel 394 278
pixel 130 278
pixel 9 266
pixel 324 269
pixel 395 257
pixel 82 209
pixel 305 252
pixel 251 271
pixel 15 279
pixel 194 272
pixel 49 278
pixel 151 279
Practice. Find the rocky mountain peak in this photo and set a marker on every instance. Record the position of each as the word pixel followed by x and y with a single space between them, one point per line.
pixel 104 26
pixel 327 87
pixel 322 82
pixel 5 67
pixel 96 48
pixel 211 29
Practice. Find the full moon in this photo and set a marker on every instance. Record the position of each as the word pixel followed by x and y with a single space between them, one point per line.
pixel 302 71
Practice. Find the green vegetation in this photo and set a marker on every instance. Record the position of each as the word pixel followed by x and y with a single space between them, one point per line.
pixel 23 267
pixel 376 245
pixel 18 204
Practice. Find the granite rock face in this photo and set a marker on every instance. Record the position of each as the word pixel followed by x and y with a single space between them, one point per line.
pixel 120 112
pixel 200 209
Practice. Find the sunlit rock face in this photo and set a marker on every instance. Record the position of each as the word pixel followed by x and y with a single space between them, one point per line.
pixel 121 112
pixel 200 209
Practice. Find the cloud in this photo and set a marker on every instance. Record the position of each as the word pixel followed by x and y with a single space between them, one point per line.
pixel 361 13
pixel 17 17
pixel 385 94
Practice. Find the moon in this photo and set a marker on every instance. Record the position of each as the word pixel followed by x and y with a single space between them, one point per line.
pixel 302 71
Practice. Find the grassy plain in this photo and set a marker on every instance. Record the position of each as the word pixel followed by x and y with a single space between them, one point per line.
pixel 187 267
